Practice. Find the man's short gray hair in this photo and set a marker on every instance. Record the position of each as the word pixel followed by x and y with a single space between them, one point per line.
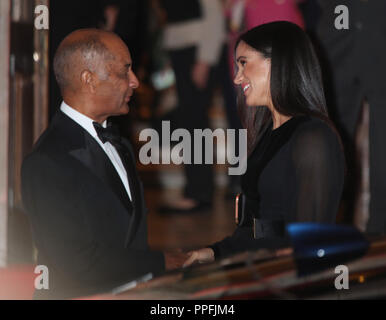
pixel 86 52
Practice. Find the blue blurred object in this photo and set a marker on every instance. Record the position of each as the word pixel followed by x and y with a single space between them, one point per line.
pixel 322 246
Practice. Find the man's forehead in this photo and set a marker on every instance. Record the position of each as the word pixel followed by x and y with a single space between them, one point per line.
pixel 119 49
pixel 124 58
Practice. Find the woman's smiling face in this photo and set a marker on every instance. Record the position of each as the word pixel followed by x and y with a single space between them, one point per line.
pixel 253 75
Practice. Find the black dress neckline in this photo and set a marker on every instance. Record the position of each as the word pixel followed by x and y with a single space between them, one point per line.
pixel 287 123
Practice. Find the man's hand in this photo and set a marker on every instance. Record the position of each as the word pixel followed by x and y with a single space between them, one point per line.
pixel 200 74
pixel 175 260
pixel 200 256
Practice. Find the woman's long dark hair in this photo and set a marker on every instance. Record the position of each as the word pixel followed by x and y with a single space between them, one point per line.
pixel 296 81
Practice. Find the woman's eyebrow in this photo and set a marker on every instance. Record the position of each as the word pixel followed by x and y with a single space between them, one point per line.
pixel 239 58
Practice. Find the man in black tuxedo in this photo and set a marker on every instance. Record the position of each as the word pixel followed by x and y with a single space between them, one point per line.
pixel 80 186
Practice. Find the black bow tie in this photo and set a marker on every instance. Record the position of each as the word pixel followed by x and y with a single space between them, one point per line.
pixel 109 134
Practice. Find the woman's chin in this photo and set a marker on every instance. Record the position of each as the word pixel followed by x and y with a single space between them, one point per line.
pixel 250 103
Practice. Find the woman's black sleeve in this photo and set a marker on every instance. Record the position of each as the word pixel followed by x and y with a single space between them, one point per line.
pixel 318 164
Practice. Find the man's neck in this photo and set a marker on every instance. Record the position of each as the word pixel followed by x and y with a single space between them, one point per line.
pixel 84 107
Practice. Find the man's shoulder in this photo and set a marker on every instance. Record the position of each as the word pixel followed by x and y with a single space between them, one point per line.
pixel 61 135
pixel 43 157
pixel 56 141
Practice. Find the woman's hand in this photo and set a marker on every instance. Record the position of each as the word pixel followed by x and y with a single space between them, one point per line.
pixel 175 260
pixel 200 256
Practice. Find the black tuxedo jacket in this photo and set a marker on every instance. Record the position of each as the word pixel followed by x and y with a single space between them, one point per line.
pixel 87 231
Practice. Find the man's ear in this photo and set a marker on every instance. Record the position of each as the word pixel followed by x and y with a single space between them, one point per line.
pixel 88 81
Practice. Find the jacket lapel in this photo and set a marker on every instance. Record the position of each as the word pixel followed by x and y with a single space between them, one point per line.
pixel 86 150
pixel 128 160
pixel 95 159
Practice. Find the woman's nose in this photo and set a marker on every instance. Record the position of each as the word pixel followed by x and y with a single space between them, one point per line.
pixel 238 78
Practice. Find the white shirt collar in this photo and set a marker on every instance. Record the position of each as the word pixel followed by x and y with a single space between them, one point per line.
pixel 84 121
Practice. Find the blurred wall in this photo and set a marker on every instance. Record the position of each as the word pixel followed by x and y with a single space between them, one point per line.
pixel 5 7
pixel 24 115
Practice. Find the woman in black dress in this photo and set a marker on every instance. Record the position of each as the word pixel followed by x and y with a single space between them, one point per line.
pixel 295 165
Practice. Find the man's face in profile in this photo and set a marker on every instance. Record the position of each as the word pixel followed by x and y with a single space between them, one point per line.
pixel 114 91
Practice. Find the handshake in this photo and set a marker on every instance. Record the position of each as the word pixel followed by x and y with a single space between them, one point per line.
pixel 179 259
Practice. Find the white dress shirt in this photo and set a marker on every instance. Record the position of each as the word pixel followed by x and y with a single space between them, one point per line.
pixel 87 124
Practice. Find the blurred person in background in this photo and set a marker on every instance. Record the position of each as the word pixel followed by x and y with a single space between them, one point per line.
pixel 194 37
pixel 357 66
pixel 129 20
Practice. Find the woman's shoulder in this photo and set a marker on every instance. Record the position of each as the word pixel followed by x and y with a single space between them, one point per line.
pixel 313 133
pixel 317 146
pixel 314 127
